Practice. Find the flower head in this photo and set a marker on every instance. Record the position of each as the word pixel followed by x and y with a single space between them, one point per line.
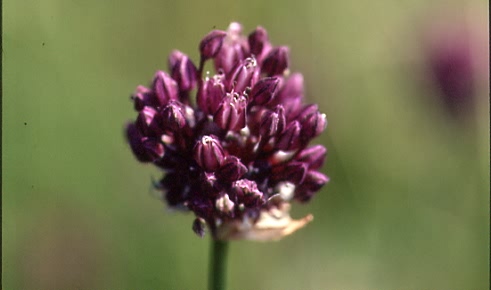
pixel 238 155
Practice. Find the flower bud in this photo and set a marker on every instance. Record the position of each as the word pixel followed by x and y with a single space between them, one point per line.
pixel 199 225
pixel 210 95
pixel 145 119
pixel 208 153
pixel 273 123
pixel 173 116
pixel 231 113
pixel 290 95
pixel 145 149
pixel 290 139
pixel 211 44
pixel 314 156
pixel 164 87
pixel 154 148
pixel 264 91
pixel 234 49
pixel 241 75
pixel 276 62
pixel 231 169
pixel 258 39
pixel 313 181
pixel 182 70
pixel 247 192
pixel 229 57
pixel 313 122
pixel 234 31
pixel 292 171
pixel 144 97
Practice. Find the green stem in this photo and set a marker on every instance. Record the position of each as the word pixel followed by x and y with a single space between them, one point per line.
pixel 218 265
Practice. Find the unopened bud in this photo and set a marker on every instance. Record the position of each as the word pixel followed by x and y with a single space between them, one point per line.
pixel 293 172
pixel 211 44
pixel 208 153
pixel 145 149
pixel 273 123
pixel 231 113
pixel 241 75
pixel 182 70
pixel 290 139
pixel 258 39
pixel 173 116
pixel 164 87
pixel 231 169
pixel 313 122
pixel 314 156
pixel 276 62
pixel 210 95
pixel 264 91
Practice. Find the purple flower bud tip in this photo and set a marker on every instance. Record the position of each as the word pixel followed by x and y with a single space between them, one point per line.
pixel 234 30
pixel 173 116
pixel 148 122
pixel 238 155
pixel 264 91
pixel 312 122
pixel 258 39
pixel 211 44
pixel 182 70
pixel 164 87
pixel 312 182
pixel 143 97
pixel 290 139
pixel 146 116
pixel 210 95
pixel 316 180
pixel 276 62
pixel 145 149
pixel 313 156
pixel 208 153
pixel 293 172
pixel 231 169
pixel 240 77
pixel 273 123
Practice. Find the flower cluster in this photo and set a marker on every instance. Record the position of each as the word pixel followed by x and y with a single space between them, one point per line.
pixel 238 153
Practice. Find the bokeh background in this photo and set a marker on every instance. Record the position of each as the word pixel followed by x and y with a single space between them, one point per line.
pixel 405 87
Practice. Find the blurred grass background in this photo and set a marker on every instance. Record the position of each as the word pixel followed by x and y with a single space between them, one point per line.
pixel 408 202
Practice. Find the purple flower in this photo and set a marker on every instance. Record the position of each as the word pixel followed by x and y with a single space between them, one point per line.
pixel 239 156
pixel 456 55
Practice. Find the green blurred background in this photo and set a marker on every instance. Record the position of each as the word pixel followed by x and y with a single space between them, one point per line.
pixel 408 202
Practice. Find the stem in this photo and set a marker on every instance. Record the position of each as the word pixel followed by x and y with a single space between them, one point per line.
pixel 218 265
